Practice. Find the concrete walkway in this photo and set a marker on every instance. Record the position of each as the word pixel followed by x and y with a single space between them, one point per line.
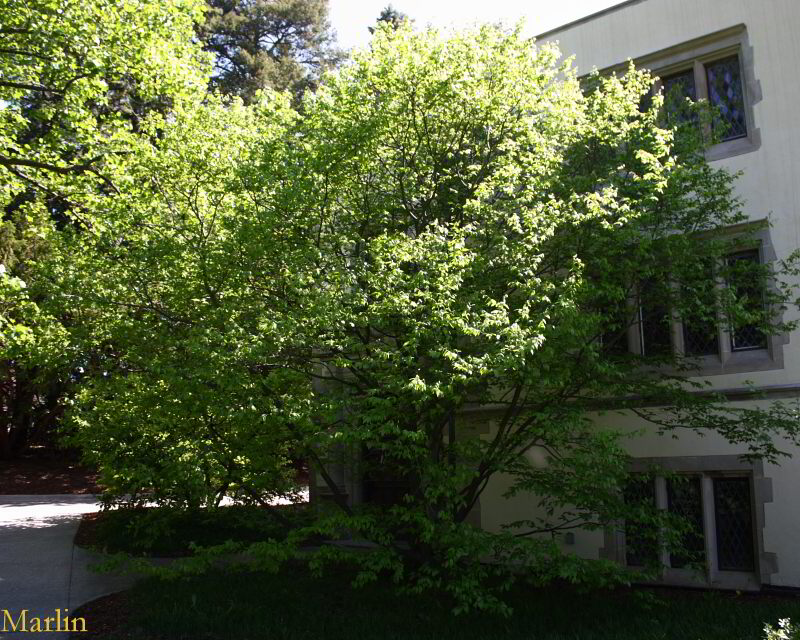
pixel 40 569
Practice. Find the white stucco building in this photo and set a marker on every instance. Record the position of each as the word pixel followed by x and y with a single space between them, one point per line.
pixel 740 55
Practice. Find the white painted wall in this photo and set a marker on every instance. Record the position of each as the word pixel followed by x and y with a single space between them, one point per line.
pixel 782 515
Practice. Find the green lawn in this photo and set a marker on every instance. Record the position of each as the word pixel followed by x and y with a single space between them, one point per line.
pixel 293 605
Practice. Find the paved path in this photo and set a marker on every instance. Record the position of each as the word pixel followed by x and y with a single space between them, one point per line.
pixel 40 569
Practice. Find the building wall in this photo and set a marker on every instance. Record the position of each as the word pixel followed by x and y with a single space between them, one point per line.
pixel 770 182
pixel 781 510
pixel 770 187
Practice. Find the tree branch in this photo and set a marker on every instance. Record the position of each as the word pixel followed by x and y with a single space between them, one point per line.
pixel 35 164
pixel 21 52
pixel 28 86
pixel 341 501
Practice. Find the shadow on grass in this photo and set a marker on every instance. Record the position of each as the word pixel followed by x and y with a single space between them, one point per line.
pixel 292 604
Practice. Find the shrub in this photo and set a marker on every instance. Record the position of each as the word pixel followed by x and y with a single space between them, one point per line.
pixel 786 630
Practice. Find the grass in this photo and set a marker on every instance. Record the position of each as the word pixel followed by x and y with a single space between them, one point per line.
pixel 170 532
pixel 294 605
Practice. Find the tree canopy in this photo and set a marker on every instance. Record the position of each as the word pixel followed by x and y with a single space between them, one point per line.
pixel 185 402
pixel 76 79
pixel 483 224
pixel 450 224
pixel 70 72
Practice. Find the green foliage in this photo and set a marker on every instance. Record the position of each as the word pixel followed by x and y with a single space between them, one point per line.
pixel 480 223
pixel 21 320
pixel 174 532
pixel 34 350
pixel 66 73
pixel 453 225
pixel 784 631
pixel 75 80
pixel 187 401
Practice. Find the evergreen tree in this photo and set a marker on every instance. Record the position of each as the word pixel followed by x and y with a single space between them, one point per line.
pixel 391 16
pixel 280 44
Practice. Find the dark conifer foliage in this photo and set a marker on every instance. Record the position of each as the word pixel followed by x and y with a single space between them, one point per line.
pixel 280 44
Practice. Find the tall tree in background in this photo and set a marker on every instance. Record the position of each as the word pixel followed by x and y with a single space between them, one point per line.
pixel 391 16
pixel 280 44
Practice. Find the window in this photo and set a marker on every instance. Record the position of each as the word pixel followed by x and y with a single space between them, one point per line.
pixel 677 88
pixel 722 499
pixel 726 94
pixel 685 499
pixel 717 345
pixel 717 510
pixel 700 324
pixel 718 81
pixel 641 541
pixel 734 520
pixel 654 321
pixel 746 283
pixel 680 84
pixel 718 68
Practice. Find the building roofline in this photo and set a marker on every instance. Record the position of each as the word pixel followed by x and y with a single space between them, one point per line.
pixel 589 18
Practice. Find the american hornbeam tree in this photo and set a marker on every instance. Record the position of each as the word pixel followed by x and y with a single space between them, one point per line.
pixel 75 78
pixel 483 223
pixel 454 223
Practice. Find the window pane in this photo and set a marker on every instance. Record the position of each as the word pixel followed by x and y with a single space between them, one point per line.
pixel 684 497
pixel 615 338
pixel 678 87
pixel 700 337
pixel 725 93
pixel 654 320
pixel 641 540
pixel 747 284
pixel 700 333
pixel 734 524
pixel 680 84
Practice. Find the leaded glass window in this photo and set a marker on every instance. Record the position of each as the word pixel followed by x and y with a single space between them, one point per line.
pixel 734 518
pixel 681 84
pixel 641 540
pixel 700 337
pixel 700 332
pixel 654 320
pixel 678 87
pixel 684 498
pixel 747 284
pixel 725 92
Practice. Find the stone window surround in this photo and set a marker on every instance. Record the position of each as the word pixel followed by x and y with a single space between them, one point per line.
pixel 707 467
pixel 694 54
pixel 729 361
